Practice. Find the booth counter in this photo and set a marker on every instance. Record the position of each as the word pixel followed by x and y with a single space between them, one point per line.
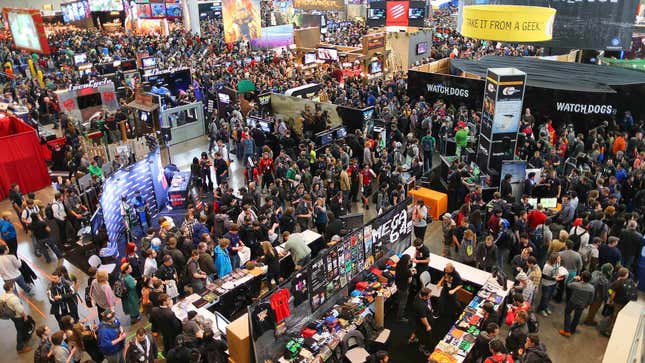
pixel 436 202
pixel 183 123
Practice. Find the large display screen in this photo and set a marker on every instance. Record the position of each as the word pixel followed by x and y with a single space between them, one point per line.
pixel 274 37
pixel 75 11
pixel 242 20
pixel 584 24
pixel 422 48
pixel 106 5
pixel 327 54
pixel 27 29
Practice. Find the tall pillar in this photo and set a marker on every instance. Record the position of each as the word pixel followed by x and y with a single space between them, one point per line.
pixel 190 14
pixel 500 121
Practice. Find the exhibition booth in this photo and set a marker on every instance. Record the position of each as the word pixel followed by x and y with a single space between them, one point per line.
pixel 581 94
pixel 407 46
pixel 20 147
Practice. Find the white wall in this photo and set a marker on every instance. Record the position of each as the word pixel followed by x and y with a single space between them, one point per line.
pixel 33 4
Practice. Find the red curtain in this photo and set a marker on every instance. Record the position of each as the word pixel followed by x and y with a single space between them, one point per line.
pixel 21 158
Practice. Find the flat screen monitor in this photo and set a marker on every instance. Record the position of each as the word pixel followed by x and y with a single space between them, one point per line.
pixel 549 203
pixel 128 65
pixel 106 5
pixel 341 133
pixel 149 62
pixel 265 126
pixel 422 48
pixel 91 100
pixel 326 138
pixel 264 99
pixel 158 10
pixel 376 67
pixel 80 58
pixel 376 14
pixel 27 30
pixel 416 13
pixel 309 58
pixel 327 54
pixel 173 10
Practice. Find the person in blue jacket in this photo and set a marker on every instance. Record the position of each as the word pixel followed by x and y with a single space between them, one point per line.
pixel 8 233
pixel 199 229
pixel 111 338
pixel 222 259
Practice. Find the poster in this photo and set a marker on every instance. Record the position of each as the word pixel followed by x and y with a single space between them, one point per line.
pixel 241 20
pixel 317 281
pixel 319 4
pixel 507 117
pixel 274 37
pixel 390 227
pixel 282 12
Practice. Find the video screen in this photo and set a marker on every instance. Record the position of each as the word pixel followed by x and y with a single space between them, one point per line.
pixel 75 11
pixel 327 54
pixel 376 14
pixel 106 5
pixel 422 48
pixel 128 65
pixel 149 62
pixel 80 58
pixel 173 10
pixel 326 139
pixel 143 11
pixel 265 126
pixel 341 132
pixel 416 13
pixel 310 58
pixel 90 100
pixel 24 31
pixel 224 98
pixel 376 67
pixel 158 10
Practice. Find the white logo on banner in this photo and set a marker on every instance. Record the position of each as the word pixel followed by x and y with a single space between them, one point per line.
pixel 398 11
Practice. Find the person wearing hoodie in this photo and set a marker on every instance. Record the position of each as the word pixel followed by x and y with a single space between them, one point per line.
pixel 486 254
pixel 481 350
pixel 534 351
pixel 517 333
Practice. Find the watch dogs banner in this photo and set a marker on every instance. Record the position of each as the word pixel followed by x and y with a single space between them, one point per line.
pixel 453 89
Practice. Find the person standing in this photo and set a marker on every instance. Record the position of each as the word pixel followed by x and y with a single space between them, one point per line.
pixel 130 299
pixel 272 260
pixel 486 254
pixel 222 258
pixel 165 322
pixel 620 293
pixel 422 319
pixel 196 276
pixel 320 215
pixel 101 293
pixel 550 278
pixel 10 270
pixel 221 169
pixel 582 295
pixel 403 279
pixel 8 233
pixel 600 281
pixel 19 317
pixel 428 144
pixel 421 256
pixel 111 337
pixel 62 298
pixel 419 219
pixel 41 232
pixel 60 215
pixel 142 348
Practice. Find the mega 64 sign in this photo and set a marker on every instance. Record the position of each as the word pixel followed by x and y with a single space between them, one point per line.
pixel 393 225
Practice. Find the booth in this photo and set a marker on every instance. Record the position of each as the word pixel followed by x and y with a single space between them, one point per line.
pixel 183 123
pixel 582 94
pixel 20 148
pixel 81 102
pixel 407 46
pixel 436 202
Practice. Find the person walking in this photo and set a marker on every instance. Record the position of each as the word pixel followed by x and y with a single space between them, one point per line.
pixel 62 298
pixel 10 270
pixel 582 295
pixel 16 312
pixel 165 322
pixel 600 281
pixel 130 300
pixel 41 232
pixel 101 293
pixel 111 337
pixel 8 233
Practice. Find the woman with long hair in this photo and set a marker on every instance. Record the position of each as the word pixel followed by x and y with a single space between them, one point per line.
pixel 272 260
pixel 550 279
pixel 403 280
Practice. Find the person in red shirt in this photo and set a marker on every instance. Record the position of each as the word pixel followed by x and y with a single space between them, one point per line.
pixel 493 222
pixel 497 350
pixel 536 217
pixel 266 168
pixel 367 175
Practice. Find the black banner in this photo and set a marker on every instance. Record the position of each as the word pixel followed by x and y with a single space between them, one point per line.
pixel 453 89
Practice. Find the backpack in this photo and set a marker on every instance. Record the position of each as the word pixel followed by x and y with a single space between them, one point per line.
pixel 5 311
pixel 631 291
pixel 576 238
pixel 532 323
pixel 538 236
pixel 595 229
pixel 119 288
pixel 601 286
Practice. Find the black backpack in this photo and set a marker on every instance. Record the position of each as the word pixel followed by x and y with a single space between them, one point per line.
pixel 576 238
pixel 532 323
pixel 119 288
pixel 631 291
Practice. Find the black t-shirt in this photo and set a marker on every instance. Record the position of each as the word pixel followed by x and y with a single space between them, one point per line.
pixel 554 183
pixel 40 229
pixel 220 166
pixel 299 289
pixel 619 288
pixel 263 319
pixel 422 253
pixel 421 310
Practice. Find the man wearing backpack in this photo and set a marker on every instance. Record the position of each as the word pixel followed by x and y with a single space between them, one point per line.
pixel 11 308
pixel 111 338
pixel 427 143
pixel 579 235
pixel 600 282
pixel 621 292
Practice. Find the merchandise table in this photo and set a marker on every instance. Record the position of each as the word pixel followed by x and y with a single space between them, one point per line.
pixel 314 240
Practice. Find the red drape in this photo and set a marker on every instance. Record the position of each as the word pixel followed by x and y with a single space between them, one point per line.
pixel 21 157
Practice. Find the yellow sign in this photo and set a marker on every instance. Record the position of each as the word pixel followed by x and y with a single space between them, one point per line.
pixel 508 23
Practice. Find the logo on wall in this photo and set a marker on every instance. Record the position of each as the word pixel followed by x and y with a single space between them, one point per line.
pixel 397 13
pixel 509 91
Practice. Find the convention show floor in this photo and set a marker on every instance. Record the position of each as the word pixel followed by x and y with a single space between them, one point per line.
pixel 586 346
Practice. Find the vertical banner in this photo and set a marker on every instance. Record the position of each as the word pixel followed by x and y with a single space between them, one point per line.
pixel 397 13
pixel 501 113
pixel 241 20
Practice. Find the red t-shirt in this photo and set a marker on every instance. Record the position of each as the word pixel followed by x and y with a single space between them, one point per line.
pixel 280 304
pixel 535 218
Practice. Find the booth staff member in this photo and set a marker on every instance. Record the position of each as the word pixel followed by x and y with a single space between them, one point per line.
pixel 421 256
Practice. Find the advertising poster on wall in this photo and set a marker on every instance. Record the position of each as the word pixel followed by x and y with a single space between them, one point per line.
pixel 283 11
pixel 241 20
pixel 274 37
pixel 397 13
pixel 323 5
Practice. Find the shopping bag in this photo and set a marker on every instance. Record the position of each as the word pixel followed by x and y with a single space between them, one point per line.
pixel 171 289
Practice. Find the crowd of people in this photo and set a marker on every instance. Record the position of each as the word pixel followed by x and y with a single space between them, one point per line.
pixel 585 254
